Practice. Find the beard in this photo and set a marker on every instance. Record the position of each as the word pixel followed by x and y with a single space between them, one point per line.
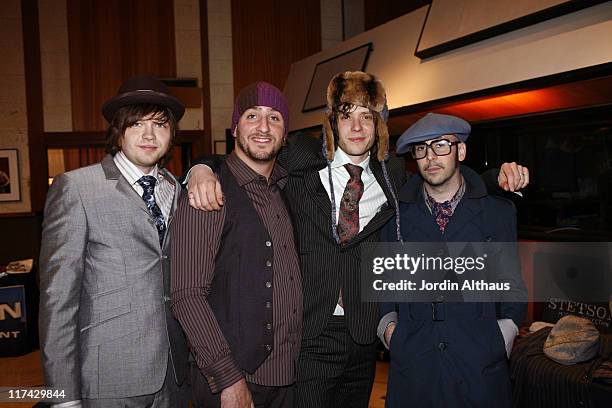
pixel 256 154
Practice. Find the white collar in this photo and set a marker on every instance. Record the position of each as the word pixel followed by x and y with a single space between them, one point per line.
pixel 341 158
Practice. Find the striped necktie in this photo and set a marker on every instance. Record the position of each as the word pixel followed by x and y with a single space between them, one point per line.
pixel 148 185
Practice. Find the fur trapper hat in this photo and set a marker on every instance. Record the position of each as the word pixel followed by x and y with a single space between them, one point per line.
pixel 359 89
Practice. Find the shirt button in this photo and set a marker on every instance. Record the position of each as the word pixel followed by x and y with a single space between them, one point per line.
pixel 268 284
pixel 268 347
pixel 268 305
pixel 269 326
pixel 268 263
pixel 164 257
pixel 268 244
pixel 442 346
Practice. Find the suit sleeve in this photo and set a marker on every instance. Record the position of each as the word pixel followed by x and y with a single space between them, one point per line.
pixel 62 257
pixel 489 177
pixel 214 162
pixel 388 310
pixel 196 238
pixel 510 271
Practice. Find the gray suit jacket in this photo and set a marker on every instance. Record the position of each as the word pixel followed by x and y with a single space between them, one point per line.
pixel 105 322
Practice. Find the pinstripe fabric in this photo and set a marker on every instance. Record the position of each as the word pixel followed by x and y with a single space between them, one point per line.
pixel 164 190
pixel 334 370
pixel 326 266
pixel 538 381
pixel 337 360
pixel 196 241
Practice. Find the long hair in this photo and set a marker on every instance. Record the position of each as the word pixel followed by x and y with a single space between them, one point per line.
pixel 128 115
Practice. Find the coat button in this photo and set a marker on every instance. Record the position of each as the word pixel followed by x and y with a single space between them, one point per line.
pixel 442 346
pixel 269 326
pixel 268 263
pixel 268 347
pixel 268 284
pixel 268 244
pixel 164 257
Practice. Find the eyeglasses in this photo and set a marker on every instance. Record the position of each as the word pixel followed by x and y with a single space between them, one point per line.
pixel 441 147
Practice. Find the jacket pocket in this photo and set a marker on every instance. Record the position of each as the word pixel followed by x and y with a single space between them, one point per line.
pixel 108 305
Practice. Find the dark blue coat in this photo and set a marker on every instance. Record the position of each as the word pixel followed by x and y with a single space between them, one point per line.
pixel 461 360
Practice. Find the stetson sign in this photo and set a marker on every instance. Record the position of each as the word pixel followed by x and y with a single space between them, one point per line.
pixel 13 325
pixel 599 313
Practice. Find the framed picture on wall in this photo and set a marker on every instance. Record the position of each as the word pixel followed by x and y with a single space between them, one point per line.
pixel 352 60
pixel 9 175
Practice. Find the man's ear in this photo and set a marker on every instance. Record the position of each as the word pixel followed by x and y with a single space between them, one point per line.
pixel 462 150
pixel 234 131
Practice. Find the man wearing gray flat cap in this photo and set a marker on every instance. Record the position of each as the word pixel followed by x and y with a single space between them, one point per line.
pixel 447 353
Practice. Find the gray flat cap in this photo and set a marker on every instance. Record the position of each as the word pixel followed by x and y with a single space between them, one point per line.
pixel 431 126
pixel 572 340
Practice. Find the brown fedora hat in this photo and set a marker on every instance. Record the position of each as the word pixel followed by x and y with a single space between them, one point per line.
pixel 142 90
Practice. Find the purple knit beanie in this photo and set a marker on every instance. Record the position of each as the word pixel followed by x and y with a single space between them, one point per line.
pixel 260 94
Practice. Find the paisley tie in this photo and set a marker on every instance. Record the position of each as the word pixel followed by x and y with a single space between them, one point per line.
pixel 348 221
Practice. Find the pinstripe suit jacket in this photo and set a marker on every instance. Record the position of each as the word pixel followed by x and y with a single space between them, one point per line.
pixel 105 321
pixel 327 266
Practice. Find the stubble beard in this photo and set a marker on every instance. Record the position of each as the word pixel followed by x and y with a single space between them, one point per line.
pixel 260 155
pixel 432 182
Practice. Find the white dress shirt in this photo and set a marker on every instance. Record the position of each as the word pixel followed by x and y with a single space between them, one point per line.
pixel 164 189
pixel 373 196
pixel 371 201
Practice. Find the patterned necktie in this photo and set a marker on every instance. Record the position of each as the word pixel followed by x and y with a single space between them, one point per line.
pixel 348 221
pixel 442 212
pixel 148 185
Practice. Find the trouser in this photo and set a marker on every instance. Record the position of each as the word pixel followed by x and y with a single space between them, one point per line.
pixel 334 371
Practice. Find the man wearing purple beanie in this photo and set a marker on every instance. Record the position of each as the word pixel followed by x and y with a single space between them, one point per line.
pixel 236 286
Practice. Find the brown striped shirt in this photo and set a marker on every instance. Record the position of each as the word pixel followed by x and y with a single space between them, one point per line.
pixel 196 238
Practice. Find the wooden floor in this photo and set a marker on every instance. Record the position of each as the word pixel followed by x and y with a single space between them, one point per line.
pixel 26 371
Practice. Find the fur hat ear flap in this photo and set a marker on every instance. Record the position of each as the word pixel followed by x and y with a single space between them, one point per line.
pixel 328 135
pixel 382 134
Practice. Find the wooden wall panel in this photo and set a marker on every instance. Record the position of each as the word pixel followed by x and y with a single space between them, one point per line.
pixel 378 12
pixel 269 36
pixel 34 103
pixel 111 40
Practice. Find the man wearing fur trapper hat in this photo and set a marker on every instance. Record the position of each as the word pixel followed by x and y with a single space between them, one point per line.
pixel 341 191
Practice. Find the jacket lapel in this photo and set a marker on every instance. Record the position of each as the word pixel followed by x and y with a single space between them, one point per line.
pixel 112 172
pixel 177 192
pixel 317 193
pixel 388 209
pixel 466 211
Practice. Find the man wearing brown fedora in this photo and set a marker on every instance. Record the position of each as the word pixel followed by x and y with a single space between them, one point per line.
pixel 108 338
